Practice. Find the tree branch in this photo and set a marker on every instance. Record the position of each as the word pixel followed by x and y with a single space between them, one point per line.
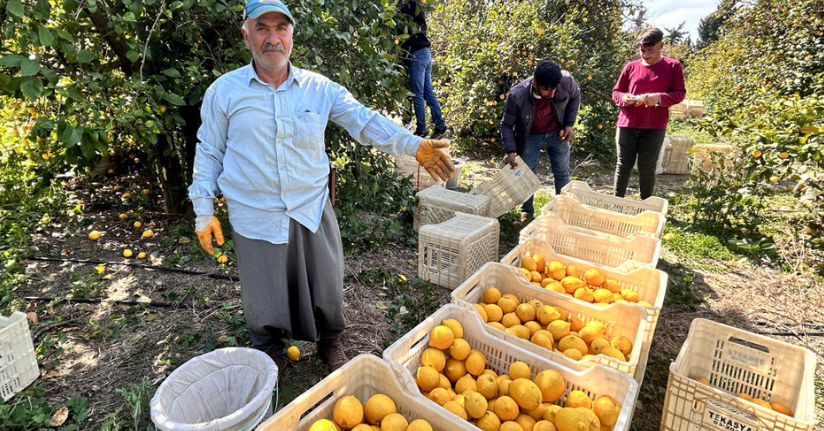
pixel 101 23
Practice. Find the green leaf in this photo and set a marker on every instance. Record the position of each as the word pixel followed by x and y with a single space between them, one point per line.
pixel 129 17
pixel 74 94
pixel 46 37
pixel 87 148
pixel 63 35
pixel 29 67
pixel 381 305
pixel 13 60
pixel 85 56
pixel 172 72
pixel 71 136
pixel 15 7
pixel 31 87
pixel 132 55
pixel 174 99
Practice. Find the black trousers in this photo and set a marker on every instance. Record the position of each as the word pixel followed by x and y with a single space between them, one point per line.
pixel 643 146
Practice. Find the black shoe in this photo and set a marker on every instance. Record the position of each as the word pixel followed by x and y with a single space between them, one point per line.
pixel 421 134
pixel 438 132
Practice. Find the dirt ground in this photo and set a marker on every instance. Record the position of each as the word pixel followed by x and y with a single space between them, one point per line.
pixel 98 348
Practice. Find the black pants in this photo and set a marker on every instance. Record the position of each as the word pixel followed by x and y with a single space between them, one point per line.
pixel 642 145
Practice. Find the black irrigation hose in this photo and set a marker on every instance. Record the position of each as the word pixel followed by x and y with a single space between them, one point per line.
pixel 100 300
pixel 137 265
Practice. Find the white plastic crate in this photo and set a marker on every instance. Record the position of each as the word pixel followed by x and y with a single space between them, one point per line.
pixel 676 161
pixel 409 166
pixel 606 250
pixel 585 195
pixel 18 364
pixel 736 361
pixel 437 204
pixel 577 215
pixel 501 353
pixel 701 155
pixel 508 188
pixel 363 376
pixel 449 252
pixel 620 319
pixel 649 283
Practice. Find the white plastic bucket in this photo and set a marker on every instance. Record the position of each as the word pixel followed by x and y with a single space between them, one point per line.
pixel 227 389
pixel 452 183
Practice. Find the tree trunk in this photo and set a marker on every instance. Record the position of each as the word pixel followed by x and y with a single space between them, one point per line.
pixel 170 174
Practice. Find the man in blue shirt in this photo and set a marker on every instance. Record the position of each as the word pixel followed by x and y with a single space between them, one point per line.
pixel 262 146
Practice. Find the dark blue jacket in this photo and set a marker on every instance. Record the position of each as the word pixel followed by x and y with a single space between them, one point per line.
pixel 520 110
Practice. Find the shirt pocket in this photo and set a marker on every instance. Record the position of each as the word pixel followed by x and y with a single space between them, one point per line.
pixel 309 128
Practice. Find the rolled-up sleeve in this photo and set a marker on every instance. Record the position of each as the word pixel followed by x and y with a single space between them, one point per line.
pixel 211 148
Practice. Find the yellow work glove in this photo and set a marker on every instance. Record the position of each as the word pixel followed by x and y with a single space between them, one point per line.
pixel 435 161
pixel 205 235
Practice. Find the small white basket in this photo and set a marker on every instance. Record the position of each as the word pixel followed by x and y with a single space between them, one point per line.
pixel 603 249
pixel 501 353
pixel 18 364
pixel 508 188
pixel 363 376
pixel 585 195
pixel 676 161
pixel 437 204
pixel 577 215
pixel 736 361
pixel 620 319
pixel 649 283
pixel 449 252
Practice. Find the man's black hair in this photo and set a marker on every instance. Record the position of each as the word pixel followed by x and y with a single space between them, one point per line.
pixel 547 74
pixel 649 37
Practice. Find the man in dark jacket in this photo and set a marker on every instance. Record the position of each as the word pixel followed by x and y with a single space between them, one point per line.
pixel 419 62
pixel 540 112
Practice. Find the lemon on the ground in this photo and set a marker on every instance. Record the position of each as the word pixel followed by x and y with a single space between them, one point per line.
pixel 419 425
pixel 551 384
pixel 489 422
pixel 293 353
pixel 377 407
pixel 481 312
pixel 223 259
pixel 123 216
pixel 475 405
pixel 427 378
pixel 526 393
pixel 137 225
pixel 519 370
pixel 607 409
pixel 492 295
pixel 578 398
pixel 455 326
pixel 127 253
pixel 141 255
pixel 95 235
pixel 348 411
pixel 506 408
pixel 571 419
pixel 394 422
pixel 434 358
pixel 441 337
pixel 324 425
pixel 148 233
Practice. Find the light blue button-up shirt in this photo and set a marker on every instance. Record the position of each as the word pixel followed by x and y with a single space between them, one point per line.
pixel 263 148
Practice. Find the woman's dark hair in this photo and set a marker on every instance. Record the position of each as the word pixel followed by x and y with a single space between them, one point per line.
pixel 649 37
pixel 547 74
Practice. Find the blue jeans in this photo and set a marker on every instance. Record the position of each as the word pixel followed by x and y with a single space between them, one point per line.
pixel 420 82
pixel 558 153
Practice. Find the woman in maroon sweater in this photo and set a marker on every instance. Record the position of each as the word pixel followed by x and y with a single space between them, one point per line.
pixel 645 90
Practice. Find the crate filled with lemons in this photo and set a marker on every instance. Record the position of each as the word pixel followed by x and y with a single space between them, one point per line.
pixel 495 385
pixel 366 394
pixel 575 278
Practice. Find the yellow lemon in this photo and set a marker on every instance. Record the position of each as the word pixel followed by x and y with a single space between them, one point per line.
pixel 584 294
pixel 573 354
pixel 465 383
pixel 526 312
pixel 573 271
pixel 137 224
pixel 454 407
pixel 377 407
pixel 511 426
pixel 506 408
pixel 597 345
pixel 475 405
pixel 324 425
pixel 455 369
pixel 529 263
pixel 492 295
pixel 526 393
pixel 571 284
pixel 592 419
pixel 611 285
pixel 543 425
pixel 481 312
pixel 419 425
pixel 223 259
pixel 459 349
pixel 427 378
pixel 293 353
pixel 603 295
pixel 503 382
pixel 441 337
pixel 494 312
pixel 578 399
pixel 526 422
pixel 508 304
pixel 549 414
pixel 556 270
pixel 510 319
pixel 630 295
pixel 559 329
pixel 552 385
pixel 613 353
pixel 433 358
pixel 781 408
pixel 607 409
pixel 455 326
pixel 540 262
pixel 546 314
pixel 541 339
pixel 571 419
pixel 127 253
pixel 123 216
pixel 396 422
pixel 573 342
pixel 519 370
pixel 348 412
pixel 576 324
pixel 440 395
pixel 487 386
pixel 476 362
pixel 594 277
pixel 148 234
pixel 489 422
pixel 94 235
pixel 622 343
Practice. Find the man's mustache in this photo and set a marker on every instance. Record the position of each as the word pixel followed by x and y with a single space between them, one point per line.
pixel 270 47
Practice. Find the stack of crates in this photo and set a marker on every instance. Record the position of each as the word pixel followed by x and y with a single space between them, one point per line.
pixel 451 251
pixel 437 205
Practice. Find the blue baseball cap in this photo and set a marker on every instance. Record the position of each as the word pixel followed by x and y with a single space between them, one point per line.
pixel 256 8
